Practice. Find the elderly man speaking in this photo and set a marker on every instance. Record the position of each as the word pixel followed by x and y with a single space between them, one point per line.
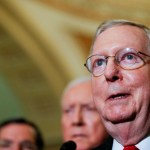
pixel 120 67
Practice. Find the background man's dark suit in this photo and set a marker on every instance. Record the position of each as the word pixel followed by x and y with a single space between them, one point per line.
pixel 107 145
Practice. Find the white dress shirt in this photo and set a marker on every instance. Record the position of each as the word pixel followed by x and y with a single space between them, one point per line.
pixel 143 145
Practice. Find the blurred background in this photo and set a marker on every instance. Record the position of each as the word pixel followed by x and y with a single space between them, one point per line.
pixel 43 46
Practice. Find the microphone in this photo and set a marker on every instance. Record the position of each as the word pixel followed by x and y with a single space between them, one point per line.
pixel 69 145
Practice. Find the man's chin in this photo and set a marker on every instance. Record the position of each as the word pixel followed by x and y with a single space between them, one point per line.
pixel 80 140
pixel 120 119
pixel 82 146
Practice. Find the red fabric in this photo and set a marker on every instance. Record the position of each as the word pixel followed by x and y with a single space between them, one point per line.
pixel 130 148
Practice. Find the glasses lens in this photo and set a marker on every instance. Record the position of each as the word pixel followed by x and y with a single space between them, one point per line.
pixel 129 59
pixel 96 64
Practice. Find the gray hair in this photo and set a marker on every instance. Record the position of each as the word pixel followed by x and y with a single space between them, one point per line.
pixel 111 23
pixel 76 82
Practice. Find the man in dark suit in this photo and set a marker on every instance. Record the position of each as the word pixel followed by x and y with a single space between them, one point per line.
pixel 106 145
pixel 120 67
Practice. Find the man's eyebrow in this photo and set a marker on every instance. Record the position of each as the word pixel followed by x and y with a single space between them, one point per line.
pixel 69 106
pixel 88 104
pixel 27 141
pixel 3 141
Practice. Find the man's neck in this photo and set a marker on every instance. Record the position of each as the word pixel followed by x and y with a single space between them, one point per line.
pixel 127 134
pixel 142 145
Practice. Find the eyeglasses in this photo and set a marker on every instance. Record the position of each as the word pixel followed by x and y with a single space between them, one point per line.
pixel 128 59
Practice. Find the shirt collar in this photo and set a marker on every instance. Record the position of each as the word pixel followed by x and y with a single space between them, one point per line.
pixel 143 145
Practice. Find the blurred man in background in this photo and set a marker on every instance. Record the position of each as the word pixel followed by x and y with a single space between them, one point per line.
pixel 20 134
pixel 80 120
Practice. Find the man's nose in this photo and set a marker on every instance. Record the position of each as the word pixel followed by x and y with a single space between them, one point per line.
pixel 112 70
pixel 17 147
pixel 78 118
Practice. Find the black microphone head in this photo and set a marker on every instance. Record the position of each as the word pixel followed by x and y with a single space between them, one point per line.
pixel 69 145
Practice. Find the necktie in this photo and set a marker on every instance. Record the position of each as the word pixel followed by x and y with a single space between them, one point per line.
pixel 130 148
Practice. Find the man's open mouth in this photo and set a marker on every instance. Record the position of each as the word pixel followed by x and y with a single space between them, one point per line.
pixel 118 96
pixel 79 135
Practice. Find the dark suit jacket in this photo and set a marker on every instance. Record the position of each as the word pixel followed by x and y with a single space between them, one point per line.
pixel 107 145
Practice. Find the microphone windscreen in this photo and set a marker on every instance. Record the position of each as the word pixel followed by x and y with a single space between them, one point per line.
pixel 69 145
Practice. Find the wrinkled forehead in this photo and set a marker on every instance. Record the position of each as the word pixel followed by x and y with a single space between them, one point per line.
pixel 20 129
pixel 81 94
pixel 121 36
